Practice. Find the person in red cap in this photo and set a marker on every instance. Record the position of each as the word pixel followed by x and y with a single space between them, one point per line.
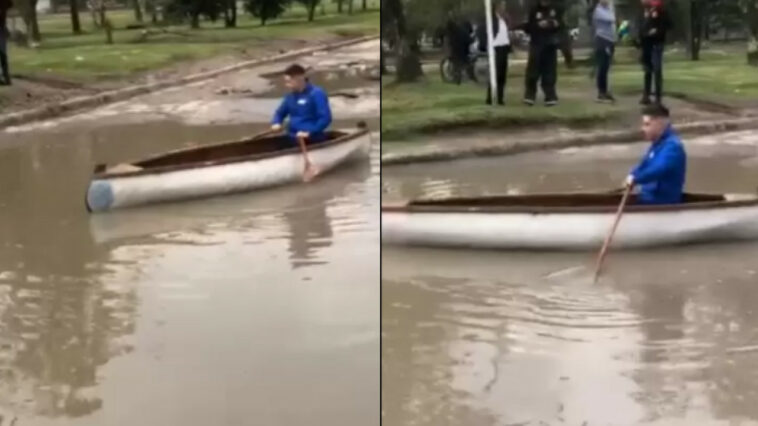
pixel 654 24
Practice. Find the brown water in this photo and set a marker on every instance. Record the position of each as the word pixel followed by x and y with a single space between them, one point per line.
pixel 256 309
pixel 668 337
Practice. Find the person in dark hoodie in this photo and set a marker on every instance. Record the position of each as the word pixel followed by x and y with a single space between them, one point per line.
pixel 501 41
pixel 544 27
pixel 4 35
pixel 654 24
pixel 661 172
pixel 458 36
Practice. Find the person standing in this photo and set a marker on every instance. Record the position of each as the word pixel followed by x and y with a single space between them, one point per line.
pixel 458 45
pixel 655 23
pixel 4 35
pixel 501 42
pixel 604 23
pixel 544 26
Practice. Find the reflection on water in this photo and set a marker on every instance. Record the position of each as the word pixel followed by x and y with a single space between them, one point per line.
pixel 668 337
pixel 189 313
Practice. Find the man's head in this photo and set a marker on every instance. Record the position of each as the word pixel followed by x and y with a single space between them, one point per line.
pixel 605 3
pixel 655 120
pixel 294 78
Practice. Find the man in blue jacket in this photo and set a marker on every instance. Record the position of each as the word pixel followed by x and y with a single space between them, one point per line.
pixel 661 173
pixel 309 114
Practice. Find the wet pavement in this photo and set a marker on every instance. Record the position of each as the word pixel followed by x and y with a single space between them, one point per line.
pixel 251 309
pixel 667 337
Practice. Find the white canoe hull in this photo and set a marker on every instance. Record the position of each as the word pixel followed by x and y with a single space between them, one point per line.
pixel 129 191
pixel 568 231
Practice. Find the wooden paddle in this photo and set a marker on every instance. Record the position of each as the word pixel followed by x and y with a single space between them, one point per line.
pixel 309 170
pixel 608 239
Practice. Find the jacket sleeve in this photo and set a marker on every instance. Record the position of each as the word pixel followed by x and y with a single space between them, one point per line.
pixel 323 112
pixel 530 24
pixel 666 160
pixel 281 113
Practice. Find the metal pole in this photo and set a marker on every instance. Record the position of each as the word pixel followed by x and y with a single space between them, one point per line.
pixel 490 49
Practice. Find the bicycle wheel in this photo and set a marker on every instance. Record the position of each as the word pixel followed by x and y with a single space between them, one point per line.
pixel 447 73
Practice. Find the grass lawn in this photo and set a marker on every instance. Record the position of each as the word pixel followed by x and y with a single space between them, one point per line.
pixel 721 77
pixel 86 56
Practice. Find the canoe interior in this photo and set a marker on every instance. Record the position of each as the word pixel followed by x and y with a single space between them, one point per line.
pixel 248 147
pixel 565 203
pixel 552 200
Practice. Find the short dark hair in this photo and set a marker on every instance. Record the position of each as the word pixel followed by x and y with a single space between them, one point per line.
pixel 656 111
pixel 294 70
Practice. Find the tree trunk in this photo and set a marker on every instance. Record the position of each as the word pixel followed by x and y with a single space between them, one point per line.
pixel 339 6
pixel 365 5
pixel 195 21
pixel 137 10
pixel 263 19
pixel 408 64
pixel 350 7
pixel 76 26
pixel 695 29
pixel 230 14
pixel 106 23
pixel 311 10
pixel 36 36
pixel 751 13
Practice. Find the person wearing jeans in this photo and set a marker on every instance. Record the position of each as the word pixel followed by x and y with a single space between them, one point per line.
pixel 654 25
pixel 604 23
pixel 502 43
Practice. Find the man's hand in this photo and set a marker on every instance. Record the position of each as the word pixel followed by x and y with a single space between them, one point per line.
pixel 276 127
pixel 303 135
pixel 629 182
pixel 542 24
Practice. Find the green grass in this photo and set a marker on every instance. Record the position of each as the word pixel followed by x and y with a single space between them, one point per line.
pixel 721 77
pixel 86 56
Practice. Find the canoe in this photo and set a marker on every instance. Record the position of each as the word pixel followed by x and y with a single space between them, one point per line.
pixel 568 221
pixel 230 167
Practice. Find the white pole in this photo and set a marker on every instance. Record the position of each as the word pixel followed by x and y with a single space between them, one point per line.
pixel 491 49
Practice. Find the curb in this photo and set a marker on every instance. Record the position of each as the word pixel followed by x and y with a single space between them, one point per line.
pixel 82 102
pixel 596 138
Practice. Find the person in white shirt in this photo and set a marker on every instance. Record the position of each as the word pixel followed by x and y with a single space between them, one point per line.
pixel 502 44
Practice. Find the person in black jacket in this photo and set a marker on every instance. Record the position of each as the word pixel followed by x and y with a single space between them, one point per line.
pixel 654 24
pixel 501 41
pixel 458 36
pixel 4 35
pixel 544 27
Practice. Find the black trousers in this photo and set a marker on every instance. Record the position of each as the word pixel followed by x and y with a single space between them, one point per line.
pixel 501 74
pixel 4 59
pixel 542 67
pixel 462 64
pixel 652 62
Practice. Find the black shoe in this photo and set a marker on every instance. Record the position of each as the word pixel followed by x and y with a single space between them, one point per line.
pixel 645 100
pixel 606 98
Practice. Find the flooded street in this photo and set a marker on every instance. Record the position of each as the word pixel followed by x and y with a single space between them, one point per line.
pixel 253 309
pixel 667 337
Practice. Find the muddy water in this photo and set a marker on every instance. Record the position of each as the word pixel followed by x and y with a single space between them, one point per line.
pixel 250 309
pixel 668 337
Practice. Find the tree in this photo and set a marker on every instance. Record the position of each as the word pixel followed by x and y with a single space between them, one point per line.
pixel 365 5
pixel 339 5
pixel 350 7
pixel 180 10
pixel 266 9
pixel 137 10
pixel 408 64
pixel 230 13
pixel 73 7
pixel 311 6
pixel 751 15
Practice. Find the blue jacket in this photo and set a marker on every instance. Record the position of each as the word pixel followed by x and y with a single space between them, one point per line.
pixel 308 110
pixel 661 173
